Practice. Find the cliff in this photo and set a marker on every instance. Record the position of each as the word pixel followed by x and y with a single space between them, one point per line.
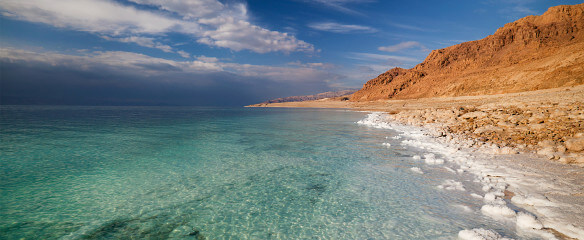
pixel 532 53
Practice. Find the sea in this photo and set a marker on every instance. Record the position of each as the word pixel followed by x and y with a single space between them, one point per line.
pixel 76 172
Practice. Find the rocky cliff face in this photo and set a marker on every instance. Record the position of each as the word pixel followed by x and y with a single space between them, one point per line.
pixel 535 52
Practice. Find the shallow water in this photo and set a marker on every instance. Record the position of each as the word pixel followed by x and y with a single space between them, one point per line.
pixel 220 173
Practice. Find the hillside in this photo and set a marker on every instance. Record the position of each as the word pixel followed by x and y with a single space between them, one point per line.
pixel 311 97
pixel 532 53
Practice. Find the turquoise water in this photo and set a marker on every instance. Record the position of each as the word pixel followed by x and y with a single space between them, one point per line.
pixel 218 173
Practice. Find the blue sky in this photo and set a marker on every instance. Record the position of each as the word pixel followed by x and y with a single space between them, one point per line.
pixel 233 52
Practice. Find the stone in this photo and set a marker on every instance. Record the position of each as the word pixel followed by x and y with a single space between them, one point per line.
pixel 575 144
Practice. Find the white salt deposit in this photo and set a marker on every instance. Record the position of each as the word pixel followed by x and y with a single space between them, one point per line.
pixel 498 211
pixel 432 160
pixel 490 197
pixel 386 144
pixel 479 234
pixel 531 179
pixel 417 170
pixel 476 195
pixel 416 157
pixel 494 198
pixel 463 207
pixel 450 169
pixel 528 221
pixel 532 200
pixel 451 185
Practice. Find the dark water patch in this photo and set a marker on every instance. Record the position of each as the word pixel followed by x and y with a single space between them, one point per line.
pixel 37 230
pixel 318 188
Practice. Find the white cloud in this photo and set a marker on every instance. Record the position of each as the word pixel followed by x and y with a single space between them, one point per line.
pixel 207 59
pixel 380 57
pixel 513 9
pixel 402 46
pixel 183 54
pixel 341 28
pixel 207 21
pixel 105 17
pixel 313 65
pixel 408 27
pixel 140 64
pixel 341 5
pixel 192 9
pixel 143 41
pixel 518 11
pixel 239 34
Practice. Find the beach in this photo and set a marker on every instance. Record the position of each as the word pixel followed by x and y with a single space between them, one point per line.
pixel 525 148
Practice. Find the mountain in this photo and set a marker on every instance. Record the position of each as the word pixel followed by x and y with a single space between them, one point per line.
pixel 312 97
pixel 532 53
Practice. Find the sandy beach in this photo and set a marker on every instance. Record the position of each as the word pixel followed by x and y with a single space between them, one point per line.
pixel 525 148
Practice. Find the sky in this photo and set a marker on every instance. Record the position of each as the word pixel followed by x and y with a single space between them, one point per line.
pixel 225 52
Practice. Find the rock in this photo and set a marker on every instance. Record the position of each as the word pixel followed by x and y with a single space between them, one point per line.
pixel 537 126
pixel 546 151
pixel 575 144
pixel 506 124
pixel 546 144
pixel 561 148
pixel 487 128
pixel 473 115
pixel 515 119
pixel 558 114
pixel 537 118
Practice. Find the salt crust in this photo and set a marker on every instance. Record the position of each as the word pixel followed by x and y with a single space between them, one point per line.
pixel 417 170
pixel 497 211
pixel 480 234
pixel 492 179
pixel 451 185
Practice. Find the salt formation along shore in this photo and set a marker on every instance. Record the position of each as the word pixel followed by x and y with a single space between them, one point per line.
pixel 542 198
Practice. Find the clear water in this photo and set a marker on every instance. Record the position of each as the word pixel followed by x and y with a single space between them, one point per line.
pixel 214 173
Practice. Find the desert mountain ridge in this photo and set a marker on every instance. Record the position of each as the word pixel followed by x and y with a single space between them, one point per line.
pixel 331 94
pixel 532 53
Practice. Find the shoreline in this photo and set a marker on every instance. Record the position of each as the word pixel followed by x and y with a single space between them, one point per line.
pixel 548 122
pixel 517 145
pixel 544 199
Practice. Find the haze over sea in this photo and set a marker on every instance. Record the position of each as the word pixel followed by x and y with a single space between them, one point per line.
pixel 221 173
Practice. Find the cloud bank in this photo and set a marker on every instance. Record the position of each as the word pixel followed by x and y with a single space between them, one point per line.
pixel 403 46
pixel 341 28
pixel 208 22
pixel 122 78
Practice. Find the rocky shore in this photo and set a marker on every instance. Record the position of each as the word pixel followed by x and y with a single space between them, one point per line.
pixel 479 132
pixel 554 129
pixel 546 122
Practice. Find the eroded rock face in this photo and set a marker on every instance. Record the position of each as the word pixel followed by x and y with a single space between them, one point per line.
pixel 535 52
